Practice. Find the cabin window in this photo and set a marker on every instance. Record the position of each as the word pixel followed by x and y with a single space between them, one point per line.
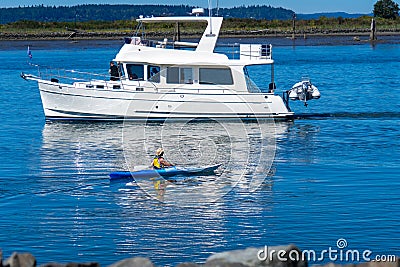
pixel 153 73
pixel 180 75
pixel 173 75
pixel 135 71
pixel 186 76
pixel 222 76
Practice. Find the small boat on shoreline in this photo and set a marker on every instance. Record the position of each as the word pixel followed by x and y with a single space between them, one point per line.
pixel 168 79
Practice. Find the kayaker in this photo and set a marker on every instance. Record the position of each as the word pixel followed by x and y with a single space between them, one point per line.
pixel 159 162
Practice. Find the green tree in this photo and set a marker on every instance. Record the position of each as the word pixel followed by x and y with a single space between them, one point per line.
pixel 387 9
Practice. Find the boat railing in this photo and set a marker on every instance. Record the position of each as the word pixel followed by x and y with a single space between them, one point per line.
pixel 89 80
pixel 52 74
pixel 233 51
pixel 255 51
pixel 165 43
pixel 246 51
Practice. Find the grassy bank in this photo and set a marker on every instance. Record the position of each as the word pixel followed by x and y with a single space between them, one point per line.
pixel 230 27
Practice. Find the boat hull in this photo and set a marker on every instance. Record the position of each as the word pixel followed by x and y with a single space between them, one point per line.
pixel 165 173
pixel 66 102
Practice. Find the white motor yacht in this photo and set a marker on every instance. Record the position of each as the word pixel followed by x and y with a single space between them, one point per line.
pixel 159 80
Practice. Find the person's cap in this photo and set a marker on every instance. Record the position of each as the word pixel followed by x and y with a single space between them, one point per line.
pixel 159 151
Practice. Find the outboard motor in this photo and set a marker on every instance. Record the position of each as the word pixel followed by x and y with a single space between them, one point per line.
pixel 304 91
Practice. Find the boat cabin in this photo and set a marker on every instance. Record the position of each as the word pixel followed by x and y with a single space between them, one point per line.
pixel 170 64
pixel 206 75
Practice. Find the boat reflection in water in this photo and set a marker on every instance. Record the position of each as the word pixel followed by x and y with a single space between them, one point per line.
pixel 85 147
pixel 92 150
pixel 245 150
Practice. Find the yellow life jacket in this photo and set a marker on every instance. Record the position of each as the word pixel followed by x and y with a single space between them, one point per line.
pixel 156 163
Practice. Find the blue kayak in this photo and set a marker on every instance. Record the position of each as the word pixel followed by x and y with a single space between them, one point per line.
pixel 166 172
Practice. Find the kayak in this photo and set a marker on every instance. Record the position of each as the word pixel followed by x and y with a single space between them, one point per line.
pixel 165 172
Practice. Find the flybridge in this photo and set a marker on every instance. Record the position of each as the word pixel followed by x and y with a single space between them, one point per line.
pixel 209 39
pixel 207 43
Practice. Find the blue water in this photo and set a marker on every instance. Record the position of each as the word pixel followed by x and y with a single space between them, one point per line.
pixel 335 173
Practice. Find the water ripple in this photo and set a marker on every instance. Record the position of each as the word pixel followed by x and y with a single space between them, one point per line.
pixel 334 174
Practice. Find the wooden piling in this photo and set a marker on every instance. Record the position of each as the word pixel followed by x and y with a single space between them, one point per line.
pixel 372 36
pixel 294 26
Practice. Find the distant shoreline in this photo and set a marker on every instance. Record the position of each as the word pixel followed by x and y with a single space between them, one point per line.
pixel 228 34
pixel 116 40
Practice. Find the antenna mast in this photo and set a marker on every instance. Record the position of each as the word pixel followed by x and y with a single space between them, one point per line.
pixel 210 15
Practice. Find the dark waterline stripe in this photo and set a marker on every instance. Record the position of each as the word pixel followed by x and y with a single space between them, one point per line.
pixel 349 115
